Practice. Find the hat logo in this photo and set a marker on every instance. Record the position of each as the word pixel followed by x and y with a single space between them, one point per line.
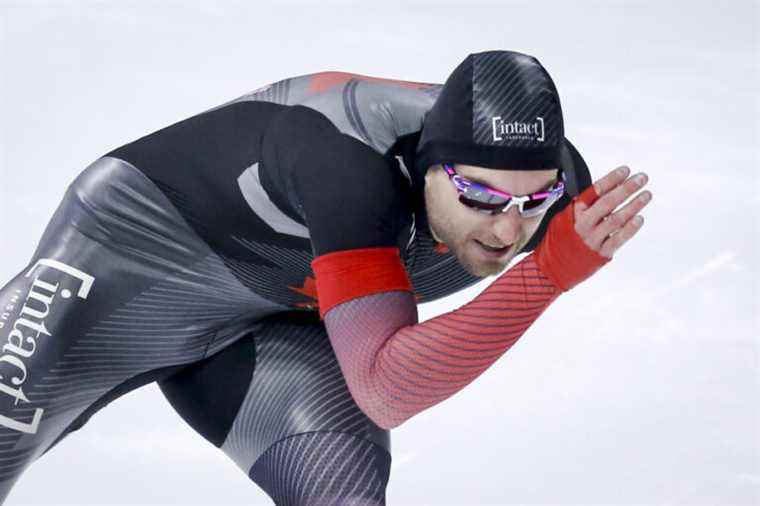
pixel 517 130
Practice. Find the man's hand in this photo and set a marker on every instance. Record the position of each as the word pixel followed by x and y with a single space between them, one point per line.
pixel 582 237
pixel 602 230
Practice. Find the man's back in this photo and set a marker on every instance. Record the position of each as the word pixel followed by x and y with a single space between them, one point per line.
pixel 232 171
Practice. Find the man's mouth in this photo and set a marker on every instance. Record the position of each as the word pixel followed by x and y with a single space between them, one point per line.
pixel 493 249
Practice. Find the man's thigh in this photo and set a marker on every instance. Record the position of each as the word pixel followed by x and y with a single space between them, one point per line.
pixel 277 403
pixel 119 291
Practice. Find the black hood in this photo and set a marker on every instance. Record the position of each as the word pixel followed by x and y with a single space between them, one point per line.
pixel 460 128
pixel 497 109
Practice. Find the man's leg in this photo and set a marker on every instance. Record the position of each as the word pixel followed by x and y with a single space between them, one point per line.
pixel 119 292
pixel 276 403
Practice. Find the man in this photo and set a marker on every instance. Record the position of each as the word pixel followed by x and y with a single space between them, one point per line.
pixel 263 262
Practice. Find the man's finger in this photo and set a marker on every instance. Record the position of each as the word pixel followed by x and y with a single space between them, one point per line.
pixel 606 204
pixel 616 220
pixel 611 180
pixel 615 241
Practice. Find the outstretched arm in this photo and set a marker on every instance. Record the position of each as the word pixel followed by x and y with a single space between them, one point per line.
pixel 350 200
pixel 396 367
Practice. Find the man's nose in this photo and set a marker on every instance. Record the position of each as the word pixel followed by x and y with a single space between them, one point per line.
pixel 506 226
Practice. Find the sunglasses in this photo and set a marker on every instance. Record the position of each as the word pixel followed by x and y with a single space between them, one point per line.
pixel 492 201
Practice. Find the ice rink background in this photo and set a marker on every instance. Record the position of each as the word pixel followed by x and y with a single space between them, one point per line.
pixel 641 386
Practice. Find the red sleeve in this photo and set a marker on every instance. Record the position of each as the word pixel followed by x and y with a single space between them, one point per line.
pixel 396 367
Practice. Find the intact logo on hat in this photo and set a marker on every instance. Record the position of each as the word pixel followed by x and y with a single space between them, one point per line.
pixel 517 130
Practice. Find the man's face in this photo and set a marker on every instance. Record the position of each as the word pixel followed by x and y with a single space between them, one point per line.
pixel 467 232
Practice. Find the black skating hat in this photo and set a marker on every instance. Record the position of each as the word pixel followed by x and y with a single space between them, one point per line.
pixel 498 109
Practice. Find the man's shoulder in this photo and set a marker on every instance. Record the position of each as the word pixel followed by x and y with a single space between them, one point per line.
pixel 374 110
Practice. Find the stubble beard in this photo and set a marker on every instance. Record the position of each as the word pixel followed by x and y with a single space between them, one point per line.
pixel 442 230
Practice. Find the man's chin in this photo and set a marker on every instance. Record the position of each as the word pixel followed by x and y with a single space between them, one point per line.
pixel 485 270
pixel 481 267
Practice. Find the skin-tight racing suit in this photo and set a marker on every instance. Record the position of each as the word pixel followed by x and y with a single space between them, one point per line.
pixel 263 261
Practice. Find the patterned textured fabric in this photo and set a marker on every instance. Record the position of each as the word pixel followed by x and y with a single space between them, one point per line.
pixel 421 364
pixel 172 247
pixel 119 291
pixel 325 469
pixel 497 109
pixel 276 402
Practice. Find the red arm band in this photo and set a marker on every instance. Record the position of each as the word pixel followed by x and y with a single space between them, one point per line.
pixel 345 275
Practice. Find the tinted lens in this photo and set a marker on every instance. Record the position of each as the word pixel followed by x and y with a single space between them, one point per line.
pixel 535 204
pixel 536 207
pixel 483 199
pixel 487 206
pixel 472 197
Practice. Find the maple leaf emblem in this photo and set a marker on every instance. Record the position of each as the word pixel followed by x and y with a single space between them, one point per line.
pixel 308 289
